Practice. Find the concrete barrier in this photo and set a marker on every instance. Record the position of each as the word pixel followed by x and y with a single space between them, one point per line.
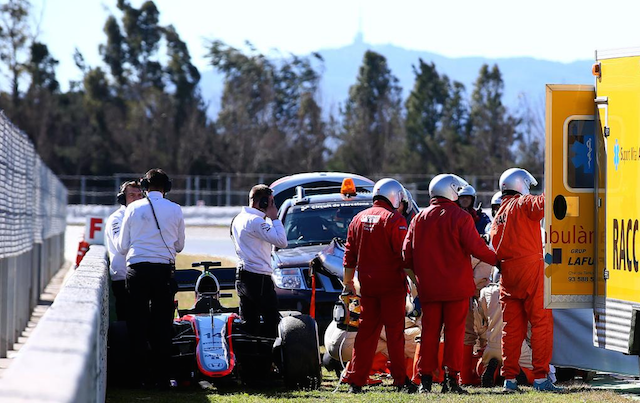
pixel 64 360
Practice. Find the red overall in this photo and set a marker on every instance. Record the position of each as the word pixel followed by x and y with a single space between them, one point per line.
pixel 516 237
pixel 374 248
pixel 437 248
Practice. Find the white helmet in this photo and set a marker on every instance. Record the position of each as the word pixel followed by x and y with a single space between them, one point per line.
pixel 495 277
pixel 391 190
pixel 447 186
pixel 497 198
pixel 518 180
pixel 406 195
pixel 467 191
pixel 410 205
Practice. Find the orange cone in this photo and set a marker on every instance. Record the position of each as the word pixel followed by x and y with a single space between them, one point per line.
pixel 83 247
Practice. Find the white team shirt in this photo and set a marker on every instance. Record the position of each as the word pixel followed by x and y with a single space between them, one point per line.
pixel 118 268
pixel 253 237
pixel 140 238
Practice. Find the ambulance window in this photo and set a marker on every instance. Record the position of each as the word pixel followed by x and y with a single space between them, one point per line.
pixel 581 154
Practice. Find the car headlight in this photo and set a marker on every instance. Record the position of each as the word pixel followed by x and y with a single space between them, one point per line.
pixel 288 278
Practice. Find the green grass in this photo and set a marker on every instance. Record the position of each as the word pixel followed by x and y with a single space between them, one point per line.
pixel 384 393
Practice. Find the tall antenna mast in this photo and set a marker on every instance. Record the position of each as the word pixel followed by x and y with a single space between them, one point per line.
pixel 359 39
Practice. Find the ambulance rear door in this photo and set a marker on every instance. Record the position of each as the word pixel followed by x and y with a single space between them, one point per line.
pixel 570 167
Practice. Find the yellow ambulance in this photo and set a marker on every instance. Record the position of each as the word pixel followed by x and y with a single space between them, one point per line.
pixel 592 173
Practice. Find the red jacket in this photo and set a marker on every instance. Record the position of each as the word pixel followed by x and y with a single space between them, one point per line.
pixel 516 236
pixel 374 248
pixel 438 247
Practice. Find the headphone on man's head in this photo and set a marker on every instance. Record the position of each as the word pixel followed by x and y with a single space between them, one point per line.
pixel 260 195
pixel 144 184
pixel 263 203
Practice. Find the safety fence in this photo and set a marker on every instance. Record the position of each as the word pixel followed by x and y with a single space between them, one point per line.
pixel 231 189
pixel 64 359
pixel 33 206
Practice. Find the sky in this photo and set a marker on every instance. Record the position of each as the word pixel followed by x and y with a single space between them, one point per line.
pixel 555 30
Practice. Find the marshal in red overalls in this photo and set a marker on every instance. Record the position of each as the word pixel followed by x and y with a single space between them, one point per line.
pixel 374 248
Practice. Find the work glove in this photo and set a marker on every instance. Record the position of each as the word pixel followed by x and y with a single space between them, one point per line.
pixel 348 289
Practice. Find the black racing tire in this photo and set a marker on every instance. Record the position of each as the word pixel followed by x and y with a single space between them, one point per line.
pixel 587 376
pixel 565 374
pixel 300 352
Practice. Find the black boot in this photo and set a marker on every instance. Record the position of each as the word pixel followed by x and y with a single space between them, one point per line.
pixel 522 378
pixel 354 389
pixel 425 384
pixel 488 375
pixel 450 384
pixel 408 387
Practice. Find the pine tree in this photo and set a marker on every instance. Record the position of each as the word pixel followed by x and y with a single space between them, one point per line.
pixel 372 134
pixel 454 132
pixel 492 128
pixel 425 109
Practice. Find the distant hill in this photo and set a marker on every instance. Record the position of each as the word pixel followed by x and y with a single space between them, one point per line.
pixel 521 75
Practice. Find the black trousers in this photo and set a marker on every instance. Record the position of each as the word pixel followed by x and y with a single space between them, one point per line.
pixel 258 297
pixel 121 295
pixel 151 290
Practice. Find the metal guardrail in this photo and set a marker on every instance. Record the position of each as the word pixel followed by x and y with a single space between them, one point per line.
pixel 33 206
pixel 231 189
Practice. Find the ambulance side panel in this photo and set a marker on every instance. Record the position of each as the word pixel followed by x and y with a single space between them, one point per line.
pixel 617 321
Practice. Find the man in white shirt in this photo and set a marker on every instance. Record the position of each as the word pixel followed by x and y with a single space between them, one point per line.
pixel 151 235
pixel 130 191
pixel 253 237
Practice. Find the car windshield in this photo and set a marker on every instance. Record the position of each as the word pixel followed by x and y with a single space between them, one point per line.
pixel 316 224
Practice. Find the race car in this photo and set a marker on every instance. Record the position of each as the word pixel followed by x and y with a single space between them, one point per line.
pixel 209 342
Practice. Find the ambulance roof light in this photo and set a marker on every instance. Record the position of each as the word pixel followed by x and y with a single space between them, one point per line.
pixel 595 70
pixel 348 188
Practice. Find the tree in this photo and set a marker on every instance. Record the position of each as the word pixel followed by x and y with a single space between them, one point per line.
pixel 372 134
pixel 141 41
pixel 530 151
pixel 492 128
pixel 298 116
pixel 41 68
pixel 269 112
pixel 183 74
pixel 14 38
pixel 435 122
pixel 454 132
pixel 146 107
pixel 37 114
pixel 244 117
pixel 150 112
pixel 308 148
pixel 113 52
